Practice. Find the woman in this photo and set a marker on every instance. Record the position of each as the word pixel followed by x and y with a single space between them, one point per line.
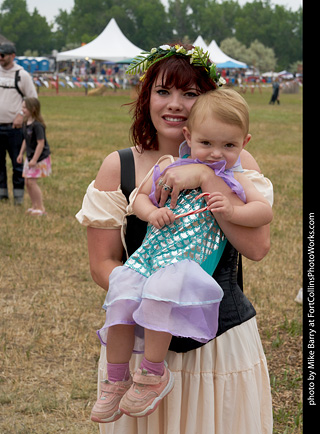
pixel 223 386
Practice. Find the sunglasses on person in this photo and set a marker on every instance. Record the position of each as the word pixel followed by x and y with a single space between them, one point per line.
pixel 2 55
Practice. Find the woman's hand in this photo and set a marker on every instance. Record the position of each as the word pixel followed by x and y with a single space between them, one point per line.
pixel 180 178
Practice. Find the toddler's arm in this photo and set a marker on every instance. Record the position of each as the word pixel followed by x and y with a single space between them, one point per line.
pixel 255 213
pixel 145 210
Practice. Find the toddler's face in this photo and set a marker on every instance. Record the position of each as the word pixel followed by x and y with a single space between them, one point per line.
pixel 213 140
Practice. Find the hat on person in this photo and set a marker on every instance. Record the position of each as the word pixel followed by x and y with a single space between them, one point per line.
pixel 7 48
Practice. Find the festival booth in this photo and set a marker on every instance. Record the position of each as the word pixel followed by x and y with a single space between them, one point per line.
pixel 226 64
pixel 221 59
pixel 199 42
pixel 111 45
pixel 218 56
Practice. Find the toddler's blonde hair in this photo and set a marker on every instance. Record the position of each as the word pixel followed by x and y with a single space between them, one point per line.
pixel 225 104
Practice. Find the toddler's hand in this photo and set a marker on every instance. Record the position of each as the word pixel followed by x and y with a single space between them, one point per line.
pixel 161 217
pixel 219 203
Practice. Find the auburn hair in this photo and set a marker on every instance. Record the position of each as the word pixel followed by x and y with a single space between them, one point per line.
pixel 176 72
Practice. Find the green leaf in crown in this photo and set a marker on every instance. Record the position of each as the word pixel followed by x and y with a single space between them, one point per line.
pixel 198 57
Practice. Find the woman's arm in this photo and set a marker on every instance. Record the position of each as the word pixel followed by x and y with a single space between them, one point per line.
pixel 104 245
pixel 105 253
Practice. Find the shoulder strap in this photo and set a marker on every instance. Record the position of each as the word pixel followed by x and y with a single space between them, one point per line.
pixel 240 274
pixel 128 178
pixel 16 79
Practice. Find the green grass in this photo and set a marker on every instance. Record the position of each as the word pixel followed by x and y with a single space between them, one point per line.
pixel 51 308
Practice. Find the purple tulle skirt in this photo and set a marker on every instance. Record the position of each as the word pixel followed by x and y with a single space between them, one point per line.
pixel 180 299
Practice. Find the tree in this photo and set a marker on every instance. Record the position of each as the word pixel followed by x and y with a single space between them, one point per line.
pixel 39 34
pixel 63 29
pixel 147 24
pixel 88 18
pixel 28 32
pixel 144 22
pixel 261 57
pixel 257 55
pixel 178 20
pixel 150 23
pixel 235 49
pixel 274 27
pixel 208 18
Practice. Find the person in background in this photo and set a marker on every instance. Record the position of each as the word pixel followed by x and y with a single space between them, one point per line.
pixel 275 92
pixel 38 161
pixel 15 84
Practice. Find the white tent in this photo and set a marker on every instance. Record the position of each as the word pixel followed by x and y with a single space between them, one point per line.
pixel 110 45
pixel 221 59
pixel 199 42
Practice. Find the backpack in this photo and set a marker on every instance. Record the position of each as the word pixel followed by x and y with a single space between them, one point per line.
pixel 17 78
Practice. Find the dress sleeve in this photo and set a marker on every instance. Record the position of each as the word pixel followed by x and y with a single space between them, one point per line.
pixel 262 184
pixel 102 209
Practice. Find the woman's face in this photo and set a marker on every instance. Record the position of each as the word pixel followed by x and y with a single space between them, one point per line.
pixel 169 110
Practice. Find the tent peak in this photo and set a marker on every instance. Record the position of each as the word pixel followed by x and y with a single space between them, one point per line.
pixel 111 44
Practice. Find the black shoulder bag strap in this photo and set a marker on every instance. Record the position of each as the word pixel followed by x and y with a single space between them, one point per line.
pixel 128 176
pixel 17 78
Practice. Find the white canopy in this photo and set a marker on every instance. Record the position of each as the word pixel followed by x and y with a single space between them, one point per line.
pixel 110 45
pixel 221 59
pixel 199 42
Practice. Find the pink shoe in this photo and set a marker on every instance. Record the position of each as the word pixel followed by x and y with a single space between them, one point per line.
pixel 106 409
pixel 146 393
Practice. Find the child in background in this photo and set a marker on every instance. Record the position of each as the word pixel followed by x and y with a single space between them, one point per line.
pixel 38 161
pixel 165 288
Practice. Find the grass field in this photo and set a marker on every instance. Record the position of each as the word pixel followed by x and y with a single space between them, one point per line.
pixel 51 308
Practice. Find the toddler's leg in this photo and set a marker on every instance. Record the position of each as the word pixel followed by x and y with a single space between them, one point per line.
pixel 156 345
pixel 156 348
pixel 120 343
pixel 153 381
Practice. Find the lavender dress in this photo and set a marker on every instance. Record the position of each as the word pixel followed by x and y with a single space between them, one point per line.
pixel 166 285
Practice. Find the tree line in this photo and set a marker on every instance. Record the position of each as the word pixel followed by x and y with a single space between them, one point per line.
pixel 147 23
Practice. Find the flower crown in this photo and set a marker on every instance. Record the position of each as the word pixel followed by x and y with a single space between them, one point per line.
pixel 141 63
